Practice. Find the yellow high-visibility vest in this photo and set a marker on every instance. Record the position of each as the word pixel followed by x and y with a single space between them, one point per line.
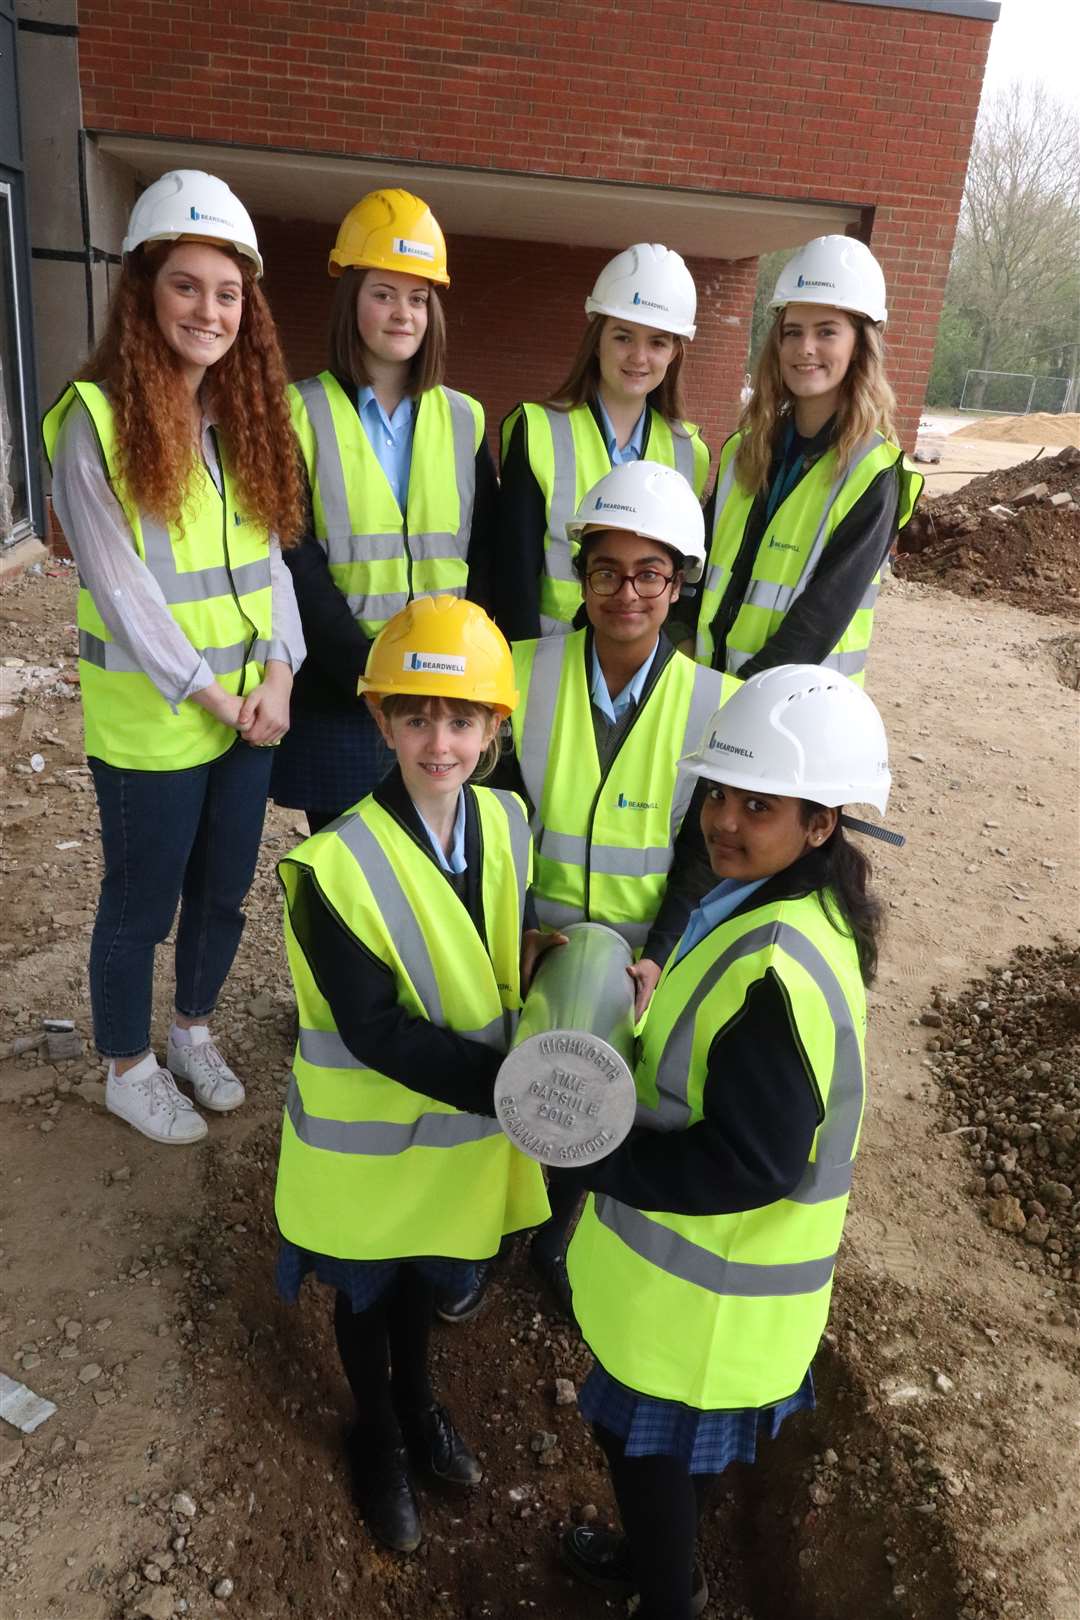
pixel 380 557
pixel 369 1168
pixel 726 1311
pixel 214 574
pixel 568 456
pixel 790 550
pixel 605 839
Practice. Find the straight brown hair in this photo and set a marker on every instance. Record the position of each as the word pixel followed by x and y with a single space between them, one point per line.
pixel 346 347
pixel 581 386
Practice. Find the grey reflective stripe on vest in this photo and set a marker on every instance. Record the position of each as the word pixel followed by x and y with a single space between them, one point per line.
pixel 197 584
pixel 829 1176
pixel 868 446
pixel 329 472
pixel 563 503
pixel 222 660
pixel 684 454
pixel 611 860
pixel 543 700
pixel 671 1252
pixel 848 663
pixel 395 911
pixel 383 1137
pixel 556 914
pixel 704 698
pixel 520 838
pixel 325 1049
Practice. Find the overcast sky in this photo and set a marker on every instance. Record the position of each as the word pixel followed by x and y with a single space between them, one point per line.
pixel 1036 39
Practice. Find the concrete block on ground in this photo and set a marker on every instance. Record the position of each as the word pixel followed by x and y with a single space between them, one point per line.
pixel 1029 496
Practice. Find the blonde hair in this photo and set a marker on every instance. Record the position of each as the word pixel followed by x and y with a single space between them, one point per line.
pixel 867 403
pixel 406 704
pixel 581 385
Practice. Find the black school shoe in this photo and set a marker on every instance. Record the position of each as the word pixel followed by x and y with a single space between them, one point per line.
pixel 599 1557
pixel 556 1281
pixel 383 1488
pixel 435 1445
pixel 455 1308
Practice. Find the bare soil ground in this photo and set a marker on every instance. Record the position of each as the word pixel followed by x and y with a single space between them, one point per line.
pixel 197 1436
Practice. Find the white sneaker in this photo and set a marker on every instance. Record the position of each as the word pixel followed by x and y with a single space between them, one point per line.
pixel 206 1072
pixel 147 1098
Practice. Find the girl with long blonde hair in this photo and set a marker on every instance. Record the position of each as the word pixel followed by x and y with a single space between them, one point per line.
pixel 175 479
pixel 812 487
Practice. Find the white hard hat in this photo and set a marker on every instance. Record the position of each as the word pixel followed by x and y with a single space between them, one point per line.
pixel 649 284
pixel 646 498
pixel 187 202
pixel 837 270
pixel 800 730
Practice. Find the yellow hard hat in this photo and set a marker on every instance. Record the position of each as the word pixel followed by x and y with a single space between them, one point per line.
pixel 442 646
pixel 391 230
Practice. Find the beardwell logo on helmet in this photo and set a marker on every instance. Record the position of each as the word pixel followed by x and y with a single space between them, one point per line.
pixel 813 281
pixel 649 303
pixel 600 505
pixel 433 663
pixel 414 250
pixel 211 219
pixel 722 747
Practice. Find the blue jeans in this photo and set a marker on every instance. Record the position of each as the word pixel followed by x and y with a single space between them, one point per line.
pixel 189 837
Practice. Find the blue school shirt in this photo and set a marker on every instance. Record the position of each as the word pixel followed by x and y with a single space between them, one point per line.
pixel 455 864
pixel 631 450
pixel 613 708
pixel 391 438
pixel 712 910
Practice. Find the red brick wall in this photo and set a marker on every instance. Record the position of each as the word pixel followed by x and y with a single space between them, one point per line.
pixel 515 314
pixel 805 98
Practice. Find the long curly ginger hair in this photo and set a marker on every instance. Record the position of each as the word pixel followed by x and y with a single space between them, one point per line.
pixel 244 392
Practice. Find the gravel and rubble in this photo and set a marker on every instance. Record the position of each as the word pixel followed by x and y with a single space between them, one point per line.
pixel 1013 535
pixel 196 1446
pixel 1007 1054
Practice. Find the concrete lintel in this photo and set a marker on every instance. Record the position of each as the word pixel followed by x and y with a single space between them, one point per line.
pixel 497 203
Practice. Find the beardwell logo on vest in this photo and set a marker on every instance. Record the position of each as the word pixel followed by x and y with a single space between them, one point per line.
pixel 780 545
pixel 722 747
pixel 623 803
pixel 433 664
pixel 414 250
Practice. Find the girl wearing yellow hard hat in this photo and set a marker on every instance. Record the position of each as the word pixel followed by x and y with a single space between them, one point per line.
pixel 621 401
pixel 402 486
pixel 404 929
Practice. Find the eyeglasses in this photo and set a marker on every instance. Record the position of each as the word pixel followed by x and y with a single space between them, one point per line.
pixel 647 582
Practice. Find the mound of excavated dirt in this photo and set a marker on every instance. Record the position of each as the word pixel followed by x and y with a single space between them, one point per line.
pixel 1028 555
pixel 1010 1067
pixel 1039 428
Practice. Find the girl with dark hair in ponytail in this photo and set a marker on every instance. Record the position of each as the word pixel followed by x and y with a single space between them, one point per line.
pixel 702 1266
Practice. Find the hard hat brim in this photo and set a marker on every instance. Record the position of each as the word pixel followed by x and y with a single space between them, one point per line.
pixel 338 264
pixel 246 251
pixel 623 312
pixel 710 770
pixel 693 567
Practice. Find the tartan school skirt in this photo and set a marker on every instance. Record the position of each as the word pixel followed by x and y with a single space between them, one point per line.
pixel 705 1441
pixel 363 1282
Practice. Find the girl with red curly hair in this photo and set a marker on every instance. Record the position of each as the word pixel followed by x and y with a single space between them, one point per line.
pixel 175 478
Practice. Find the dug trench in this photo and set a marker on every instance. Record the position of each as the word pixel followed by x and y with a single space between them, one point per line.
pixel 845 1514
